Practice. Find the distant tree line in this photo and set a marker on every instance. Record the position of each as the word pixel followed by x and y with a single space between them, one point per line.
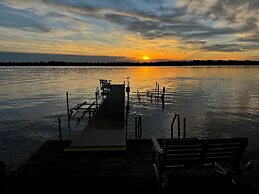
pixel 166 63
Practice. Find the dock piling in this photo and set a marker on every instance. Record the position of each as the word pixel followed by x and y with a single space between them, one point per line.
pixel 184 127
pixel 136 127
pixel 139 127
pixel 177 116
pixel 163 97
pixel 158 90
pixel 128 91
pixel 179 126
pixel 59 129
pixel 96 100
pixel 172 125
pixel 138 95
pixel 68 114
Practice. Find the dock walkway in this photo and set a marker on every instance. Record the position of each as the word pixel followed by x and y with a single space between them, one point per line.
pixel 106 130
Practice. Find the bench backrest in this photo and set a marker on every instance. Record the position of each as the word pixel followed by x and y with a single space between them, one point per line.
pixel 198 152
pixel 224 149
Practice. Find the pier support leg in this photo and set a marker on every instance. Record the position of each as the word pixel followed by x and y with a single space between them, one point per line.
pixel 163 97
pixel 128 91
pixel 59 129
pixel 184 127
pixel 68 114
pixel 136 127
pixel 179 126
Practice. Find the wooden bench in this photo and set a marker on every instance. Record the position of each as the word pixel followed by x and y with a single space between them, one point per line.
pixel 197 153
pixel 105 86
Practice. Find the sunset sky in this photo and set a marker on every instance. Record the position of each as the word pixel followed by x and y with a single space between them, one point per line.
pixel 131 30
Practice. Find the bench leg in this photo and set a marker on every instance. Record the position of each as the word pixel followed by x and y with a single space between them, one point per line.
pixel 158 177
pixel 164 182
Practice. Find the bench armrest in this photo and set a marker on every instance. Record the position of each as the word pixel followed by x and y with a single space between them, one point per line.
pixel 156 146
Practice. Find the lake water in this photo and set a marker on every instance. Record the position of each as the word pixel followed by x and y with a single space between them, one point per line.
pixel 216 101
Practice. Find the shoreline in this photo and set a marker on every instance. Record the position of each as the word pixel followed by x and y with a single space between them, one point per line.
pixel 195 63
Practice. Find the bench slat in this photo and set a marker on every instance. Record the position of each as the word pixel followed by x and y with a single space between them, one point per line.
pixel 185 151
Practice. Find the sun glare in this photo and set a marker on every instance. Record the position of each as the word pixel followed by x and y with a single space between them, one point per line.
pixel 145 58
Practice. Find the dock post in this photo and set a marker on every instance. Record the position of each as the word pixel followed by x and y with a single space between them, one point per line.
pixel 128 91
pixel 138 95
pixel 172 125
pixel 136 127
pixel 184 127
pixel 96 100
pixel 59 129
pixel 139 127
pixel 179 126
pixel 126 125
pixel 163 97
pixel 68 114
pixel 157 90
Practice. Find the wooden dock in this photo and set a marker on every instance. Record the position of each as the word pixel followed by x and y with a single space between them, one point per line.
pixel 106 130
pixel 101 160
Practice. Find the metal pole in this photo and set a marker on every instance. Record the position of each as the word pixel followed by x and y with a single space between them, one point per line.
pixel 139 127
pixel 163 97
pixel 179 127
pixel 126 123
pixel 136 126
pixel 140 120
pixel 138 95
pixel 158 90
pixel 59 129
pixel 68 114
pixel 128 91
pixel 96 100
pixel 172 125
pixel 184 127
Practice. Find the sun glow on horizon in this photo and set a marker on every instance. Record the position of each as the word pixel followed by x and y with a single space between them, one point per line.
pixel 146 58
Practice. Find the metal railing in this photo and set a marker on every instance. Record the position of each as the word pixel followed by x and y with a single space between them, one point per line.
pixel 138 127
pixel 177 117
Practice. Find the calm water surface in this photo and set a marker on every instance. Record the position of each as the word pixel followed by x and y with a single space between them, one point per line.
pixel 216 101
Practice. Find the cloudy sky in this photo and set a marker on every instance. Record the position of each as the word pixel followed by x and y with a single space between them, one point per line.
pixel 132 29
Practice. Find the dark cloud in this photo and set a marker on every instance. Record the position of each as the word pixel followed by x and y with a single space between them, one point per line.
pixel 231 47
pixel 223 48
pixel 197 42
pixel 21 19
pixel 72 5
pixel 152 29
pixel 36 57
pixel 252 38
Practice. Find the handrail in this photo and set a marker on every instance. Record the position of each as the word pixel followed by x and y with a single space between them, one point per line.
pixel 138 127
pixel 177 116
pixel 172 125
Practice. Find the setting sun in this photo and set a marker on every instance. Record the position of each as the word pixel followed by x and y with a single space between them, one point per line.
pixel 145 58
